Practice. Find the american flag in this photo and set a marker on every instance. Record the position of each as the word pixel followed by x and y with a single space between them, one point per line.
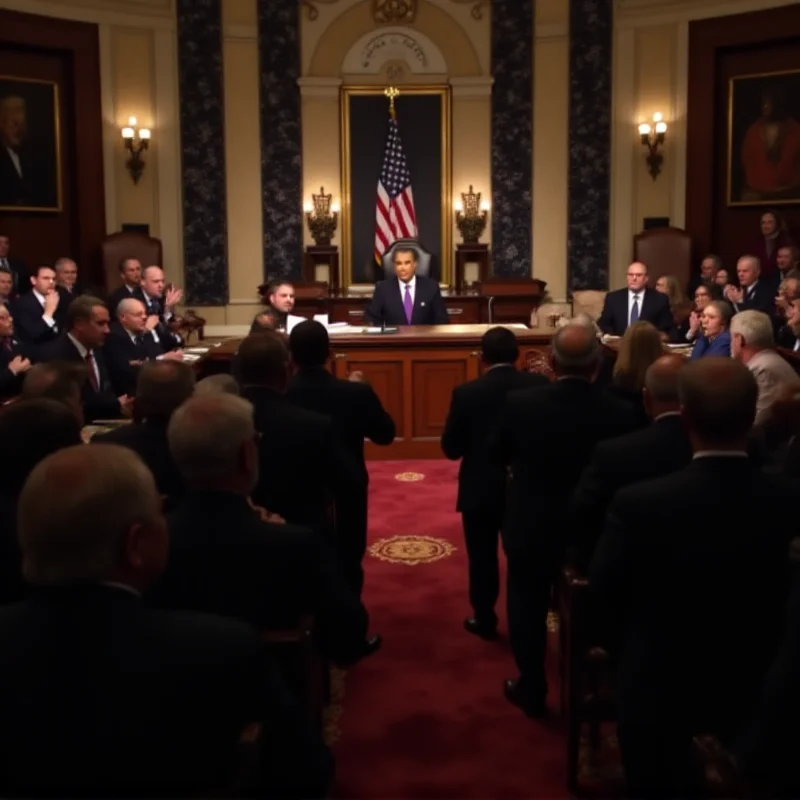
pixel 395 217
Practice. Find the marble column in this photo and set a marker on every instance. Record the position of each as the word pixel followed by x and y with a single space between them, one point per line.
pixel 202 116
pixel 590 65
pixel 281 137
pixel 512 137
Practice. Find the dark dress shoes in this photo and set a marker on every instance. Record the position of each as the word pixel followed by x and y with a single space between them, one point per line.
pixel 487 632
pixel 535 709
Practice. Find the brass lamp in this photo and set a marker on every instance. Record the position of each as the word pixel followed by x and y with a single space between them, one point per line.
pixel 136 142
pixel 471 216
pixel 322 218
pixel 652 137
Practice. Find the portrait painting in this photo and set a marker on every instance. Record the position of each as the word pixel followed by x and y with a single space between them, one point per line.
pixel 30 177
pixel 764 139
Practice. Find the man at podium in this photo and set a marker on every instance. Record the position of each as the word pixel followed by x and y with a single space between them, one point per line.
pixel 406 298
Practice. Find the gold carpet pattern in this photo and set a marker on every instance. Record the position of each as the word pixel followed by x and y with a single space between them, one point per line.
pixel 411 550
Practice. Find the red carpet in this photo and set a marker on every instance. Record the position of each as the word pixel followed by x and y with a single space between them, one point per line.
pixel 425 717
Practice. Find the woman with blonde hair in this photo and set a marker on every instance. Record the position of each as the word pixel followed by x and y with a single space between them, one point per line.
pixel 639 348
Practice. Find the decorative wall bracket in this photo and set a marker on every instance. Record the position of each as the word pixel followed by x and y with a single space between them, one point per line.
pixel 392 12
pixel 310 6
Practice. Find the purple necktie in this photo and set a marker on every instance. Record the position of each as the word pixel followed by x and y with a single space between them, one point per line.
pixel 408 304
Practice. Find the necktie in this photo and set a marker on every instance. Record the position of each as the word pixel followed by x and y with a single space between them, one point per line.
pixel 635 309
pixel 8 344
pixel 92 373
pixel 408 304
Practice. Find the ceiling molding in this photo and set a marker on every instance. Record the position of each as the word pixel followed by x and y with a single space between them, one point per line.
pixel 639 13
pixel 137 14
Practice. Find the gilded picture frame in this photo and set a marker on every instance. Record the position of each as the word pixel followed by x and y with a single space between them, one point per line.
pixel 30 145
pixel 763 159
pixel 348 95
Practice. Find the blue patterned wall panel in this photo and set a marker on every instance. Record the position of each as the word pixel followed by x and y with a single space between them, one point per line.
pixel 281 137
pixel 512 136
pixel 202 116
pixel 590 64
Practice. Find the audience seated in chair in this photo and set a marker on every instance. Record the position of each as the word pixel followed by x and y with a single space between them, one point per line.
pixel 61 381
pixel 30 430
pixel 104 697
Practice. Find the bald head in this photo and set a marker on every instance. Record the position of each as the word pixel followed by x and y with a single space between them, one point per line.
pixel 661 385
pixel 102 520
pixel 636 276
pixel 575 351
pixel 718 402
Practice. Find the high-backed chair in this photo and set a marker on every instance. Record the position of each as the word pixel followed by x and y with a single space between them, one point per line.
pixel 128 244
pixel 665 251
pixel 424 258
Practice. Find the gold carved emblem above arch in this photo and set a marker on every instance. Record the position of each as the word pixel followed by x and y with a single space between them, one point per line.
pixel 393 12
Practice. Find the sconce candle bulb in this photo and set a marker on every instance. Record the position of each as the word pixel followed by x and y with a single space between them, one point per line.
pixel 652 137
pixel 322 218
pixel 136 142
pixel 471 216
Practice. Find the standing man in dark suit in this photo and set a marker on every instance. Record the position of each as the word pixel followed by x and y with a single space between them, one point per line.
pixel 545 436
pixel 626 306
pixel 119 699
pixel 160 301
pixel 357 414
pixel 474 408
pixel 13 265
pixel 35 312
pixel 225 559
pixel 406 298
pixel 695 565
pixel 86 331
pixel 659 449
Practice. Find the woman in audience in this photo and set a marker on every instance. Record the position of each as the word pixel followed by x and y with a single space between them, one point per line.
pixel 639 348
pixel 690 329
pixel 678 304
pixel 716 338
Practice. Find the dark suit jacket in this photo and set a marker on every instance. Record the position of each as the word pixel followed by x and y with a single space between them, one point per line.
pixel 35 188
pixel 546 435
pixel 119 700
pixel 101 404
pixel 225 560
pixel 149 441
pixel 354 408
pixel 28 323
pixel 118 295
pixel 121 353
pixel 19 272
pixel 655 308
pixel 474 409
pixel 303 466
pixel 661 448
pixel 167 339
pixel 699 586
pixel 386 305
pixel 634 400
pixel 762 299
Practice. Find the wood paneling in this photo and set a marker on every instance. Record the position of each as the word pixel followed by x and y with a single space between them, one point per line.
pixel 434 379
pixel 68 53
pixel 719 49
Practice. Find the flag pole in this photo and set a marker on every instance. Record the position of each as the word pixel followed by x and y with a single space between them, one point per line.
pixel 392 92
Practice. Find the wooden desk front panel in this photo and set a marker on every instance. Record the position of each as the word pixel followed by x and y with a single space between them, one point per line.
pixel 414 386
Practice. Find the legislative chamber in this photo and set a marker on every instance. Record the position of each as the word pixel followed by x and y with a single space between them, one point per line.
pixel 399 398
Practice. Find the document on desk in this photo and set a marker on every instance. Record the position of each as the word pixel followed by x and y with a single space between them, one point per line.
pixel 292 320
pixel 343 327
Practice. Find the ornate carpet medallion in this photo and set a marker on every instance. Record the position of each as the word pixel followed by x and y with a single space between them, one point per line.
pixel 411 550
pixel 409 477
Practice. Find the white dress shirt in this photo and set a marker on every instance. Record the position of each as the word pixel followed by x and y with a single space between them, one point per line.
pixel 49 321
pixel 83 353
pixel 412 285
pixel 633 296
pixel 12 154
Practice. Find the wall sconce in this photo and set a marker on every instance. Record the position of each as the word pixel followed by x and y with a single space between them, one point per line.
pixel 322 217
pixel 652 138
pixel 471 215
pixel 136 142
